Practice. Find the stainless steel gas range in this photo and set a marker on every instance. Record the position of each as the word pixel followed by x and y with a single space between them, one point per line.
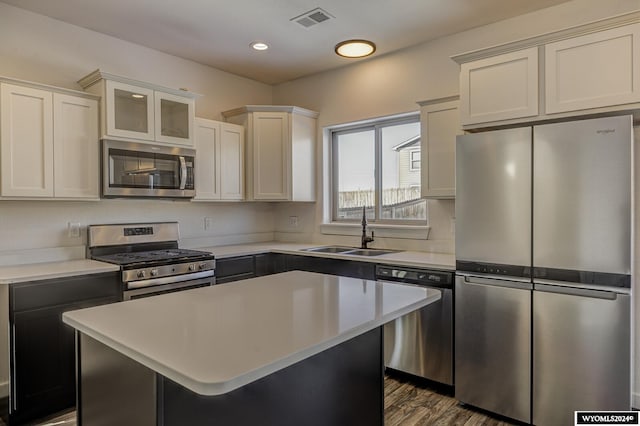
pixel 150 261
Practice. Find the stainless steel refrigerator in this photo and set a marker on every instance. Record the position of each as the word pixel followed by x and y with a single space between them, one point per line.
pixel 543 269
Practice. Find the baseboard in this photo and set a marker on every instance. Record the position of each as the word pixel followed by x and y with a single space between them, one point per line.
pixel 635 400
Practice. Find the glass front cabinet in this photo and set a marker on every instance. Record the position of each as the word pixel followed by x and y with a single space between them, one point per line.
pixel 137 110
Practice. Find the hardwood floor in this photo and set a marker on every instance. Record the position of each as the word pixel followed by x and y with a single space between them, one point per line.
pixel 406 403
pixel 409 402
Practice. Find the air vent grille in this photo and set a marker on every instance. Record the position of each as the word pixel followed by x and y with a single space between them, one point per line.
pixel 312 17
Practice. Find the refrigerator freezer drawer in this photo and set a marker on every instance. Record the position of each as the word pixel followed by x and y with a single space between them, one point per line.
pixel 493 346
pixel 581 354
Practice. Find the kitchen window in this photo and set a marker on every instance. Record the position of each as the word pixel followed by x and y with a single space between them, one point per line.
pixel 377 165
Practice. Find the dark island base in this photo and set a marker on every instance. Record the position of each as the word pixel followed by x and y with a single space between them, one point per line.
pixel 343 385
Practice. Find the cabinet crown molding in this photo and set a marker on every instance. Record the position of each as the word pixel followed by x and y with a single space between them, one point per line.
pixel 270 108
pixel 439 100
pixel 47 87
pixel 97 75
pixel 539 40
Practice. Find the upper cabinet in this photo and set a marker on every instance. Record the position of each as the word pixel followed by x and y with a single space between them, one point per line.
pixel 498 88
pixel 280 159
pixel 440 124
pixel 595 70
pixel 588 69
pixel 49 144
pixel 142 111
pixel 219 161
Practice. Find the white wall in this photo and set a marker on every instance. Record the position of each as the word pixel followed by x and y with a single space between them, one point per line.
pixel 44 50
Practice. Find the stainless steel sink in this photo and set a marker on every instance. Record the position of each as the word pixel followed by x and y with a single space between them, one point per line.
pixel 370 252
pixel 329 249
pixel 350 250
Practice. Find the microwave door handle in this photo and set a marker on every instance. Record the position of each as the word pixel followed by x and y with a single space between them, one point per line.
pixel 183 172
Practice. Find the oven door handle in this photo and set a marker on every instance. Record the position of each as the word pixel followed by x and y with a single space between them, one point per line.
pixel 169 280
pixel 159 289
pixel 183 172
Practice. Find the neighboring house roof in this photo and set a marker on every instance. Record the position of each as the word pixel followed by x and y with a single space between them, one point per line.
pixel 408 143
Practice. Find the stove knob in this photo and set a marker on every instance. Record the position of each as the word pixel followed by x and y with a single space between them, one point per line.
pixel 203 265
pixel 140 274
pixel 192 267
pixel 154 272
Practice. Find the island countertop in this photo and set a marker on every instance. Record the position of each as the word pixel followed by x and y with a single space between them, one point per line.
pixel 213 340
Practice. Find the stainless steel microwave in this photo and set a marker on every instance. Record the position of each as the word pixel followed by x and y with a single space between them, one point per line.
pixel 131 169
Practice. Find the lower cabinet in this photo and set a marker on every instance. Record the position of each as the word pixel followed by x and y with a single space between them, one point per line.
pixel 42 347
pixel 243 267
pixel 323 265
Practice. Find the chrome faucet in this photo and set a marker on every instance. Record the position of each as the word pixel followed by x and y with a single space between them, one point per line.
pixel 365 238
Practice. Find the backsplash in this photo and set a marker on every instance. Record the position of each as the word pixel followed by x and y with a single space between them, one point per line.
pixel 39 230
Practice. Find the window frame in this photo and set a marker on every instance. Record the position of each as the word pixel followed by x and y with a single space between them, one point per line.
pixel 413 151
pixel 377 126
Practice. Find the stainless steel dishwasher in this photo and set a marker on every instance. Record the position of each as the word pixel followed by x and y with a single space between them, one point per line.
pixel 421 343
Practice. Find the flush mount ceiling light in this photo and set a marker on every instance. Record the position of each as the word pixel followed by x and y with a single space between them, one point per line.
pixel 355 48
pixel 259 45
pixel 137 96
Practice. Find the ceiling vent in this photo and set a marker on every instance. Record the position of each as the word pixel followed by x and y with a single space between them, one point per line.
pixel 311 18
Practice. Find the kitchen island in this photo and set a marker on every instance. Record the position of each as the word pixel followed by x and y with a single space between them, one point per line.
pixel 291 348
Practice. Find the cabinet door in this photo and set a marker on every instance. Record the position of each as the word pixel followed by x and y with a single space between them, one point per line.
pixel 231 162
pixel 440 124
pixel 234 269
pixel 499 88
pixel 43 361
pixel 207 173
pixel 76 147
pixel 26 135
pixel 271 156
pixel 595 70
pixel 174 117
pixel 129 111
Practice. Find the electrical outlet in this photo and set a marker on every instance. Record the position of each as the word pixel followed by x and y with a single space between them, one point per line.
pixel 208 223
pixel 73 229
pixel 293 221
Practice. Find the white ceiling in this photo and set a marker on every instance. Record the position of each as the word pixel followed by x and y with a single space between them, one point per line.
pixel 218 32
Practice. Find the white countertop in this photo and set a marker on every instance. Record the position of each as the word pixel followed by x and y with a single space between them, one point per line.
pixel 44 271
pixel 416 259
pixel 213 340
pixel 69 268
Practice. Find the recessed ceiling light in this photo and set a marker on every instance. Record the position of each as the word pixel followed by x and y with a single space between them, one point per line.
pixel 259 45
pixel 355 48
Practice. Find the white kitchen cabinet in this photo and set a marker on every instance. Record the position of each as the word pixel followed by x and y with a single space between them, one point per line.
pixel 594 70
pixel 76 147
pixel 142 111
pixel 440 124
pixel 577 71
pixel 500 87
pixel 219 161
pixel 280 151
pixel 129 110
pixel 48 144
pixel 26 148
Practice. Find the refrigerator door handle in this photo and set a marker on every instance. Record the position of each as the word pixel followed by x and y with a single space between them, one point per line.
pixel 510 283
pixel 560 285
pixel 573 291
